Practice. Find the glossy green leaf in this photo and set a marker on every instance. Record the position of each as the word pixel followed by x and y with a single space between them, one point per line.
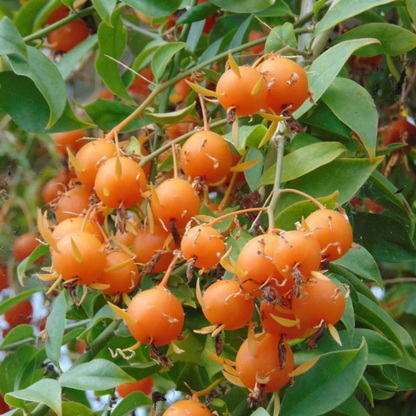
pixel 243 6
pixel 130 403
pixel 393 245
pixel 351 407
pixel 241 33
pixel 411 8
pixel 394 39
pixel 162 57
pixel 253 174
pixel 72 58
pixel 405 379
pixel 287 218
pixel 10 39
pixel 260 412
pixel 285 33
pixel 197 13
pixel 279 9
pixel 378 378
pixel 112 42
pixel 145 56
pixel 304 160
pixel 8 303
pixel 107 114
pixel 326 67
pixel 320 387
pixel 76 409
pixel 44 391
pixel 354 106
pixel 45 12
pixel 37 253
pixel 105 9
pixel 17 334
pixel 345 9
pixel 301 140
pixel 47 79
pixel 139 370
pixel 361 262
pixel 365 387
pixel 250 136
pixel 151 8
pixel 55 327
pixel 343 175
pixel 27 15
pixel 172 117
pixel 96 375
pixel 20 98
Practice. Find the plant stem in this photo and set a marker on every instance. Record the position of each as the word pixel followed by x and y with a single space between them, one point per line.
pixel 279 140
pixel 208 390
pixel 400 280
pixel 139 29
pixel 308 16
pixel 48 29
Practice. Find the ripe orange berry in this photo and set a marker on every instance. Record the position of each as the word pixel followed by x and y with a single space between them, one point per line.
pixel 24 246
pixel 320 300
pixel 51 190
pixel 72 203
pixel 205 243
pixel 223 303
pixel 74 225
pixel 122 280
pixel 400 131
pixel 177 201
pixel 19 314
pixel 252 36
pixel 181 91
pixel 126 189
pixel 264 365
pixel 126 238
pixel 141 86
pixel 71 139
pixel 206 154
pixel 90 157
pixel 145 386
pixel 179 129
pixel 296 248
pixel 271 326
pixel 4 284
pixel 188 408
pixel 146 244
pixel 332 231
pixel 158 316
pixel 242 91
pixel 80 257
pixel 287 84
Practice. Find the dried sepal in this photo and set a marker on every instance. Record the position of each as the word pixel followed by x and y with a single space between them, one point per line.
pixel 269 134
pixel 204 91
pixel 233 379
pixel 47 277
pixel 119 266
pixel 74 161
pixel 199 294
pixel 242 167
pixel 272 117
pixel 176 349
pixel 99 286
pixel 334 334
pixel 288 323
pixel 205 330
pixel 233 65
pixel 303 368
pixel 257 88
pixel 121 313
pixel 75 251
pixel 44 230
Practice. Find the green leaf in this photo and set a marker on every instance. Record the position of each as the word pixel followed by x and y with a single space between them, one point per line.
pixel 76 409
pixel 304 160
pixel 96 375
pixel 17 334
pixel 354 106
pixel 392 245
pixel 285 33
pixel 112 42
pixel 44 13
pixel 287 218
pixel 107 114
pixel 279 9
pixel 241 33
pixel 260 412
pixel 359 261
pixel 344 10
pixel 130 403
pixel 145 56
pixel 365 387
pixel 405 379
pixel 55 327
pixel 37 253
pixel 172 117
pixel 343 175
pixel 159 8
pixel 351 407
pixel 27 15
pixel 250 136
pixel 327 384
pixel 20 98
pixel 71 59
pixel 162 57
pixel 253 174
pixel 139 370
pixel 8 303
pixel 10 39
pixel 394 39
pixel 327 66
pixel 44 391
pixel 411 8
pixel 47 79
pixel 197 13
pixel 105 9
pixel 243 6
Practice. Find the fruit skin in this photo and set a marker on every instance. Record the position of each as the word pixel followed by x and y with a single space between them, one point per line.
pixel 72 203
pixel 328 227
pixel 139 85
pixel 19 314
pixel 4 408
pixel 71 139
pixel 4 284
pixel 178 201
pixel 283 90
pixel 205 243
pixel 265 362
pixel 317 302
pixel 187 408
pixel 127 189
pixel 225 304
pixel 145 386
pixel 89 156
pixel 238 91
pixel 146 244
pixel 208 155
pixel 400 131
pixel 74 225
pixel 92 264
pixel 24 246
pixel 179 129
pixel 158 315
pixel 252 36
